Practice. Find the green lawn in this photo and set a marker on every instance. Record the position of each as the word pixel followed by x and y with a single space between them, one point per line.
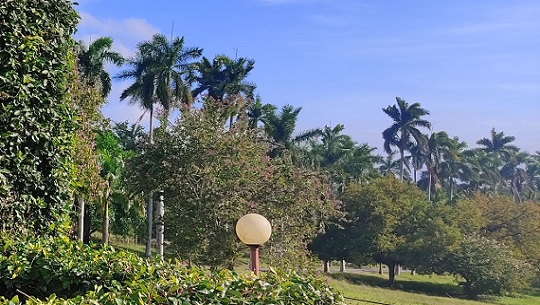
pixel 367 288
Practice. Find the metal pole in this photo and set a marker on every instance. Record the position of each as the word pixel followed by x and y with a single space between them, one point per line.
pixel 254 251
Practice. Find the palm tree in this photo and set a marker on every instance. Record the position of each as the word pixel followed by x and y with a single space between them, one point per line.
pixel 404 130
pixel 92 60
pixel 158 70
pixel 498 145
pixel 280 128
pixel 221 77
pixel 516 175
pixel 499 151
pixel 257 111
pixel 390 166
pixel 453 165
pixel 334 146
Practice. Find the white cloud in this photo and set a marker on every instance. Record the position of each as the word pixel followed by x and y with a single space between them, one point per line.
pixel 125 32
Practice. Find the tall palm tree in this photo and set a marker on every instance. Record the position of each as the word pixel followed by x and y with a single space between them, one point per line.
pixel 257 111
pixel 453 165
pixel 499 151
pixel 158 70
pixel 221 77
pixel 92 60
pixel 516 175
pixel 334 146
pixel 498 145
pixel 280 127
pixel 404 130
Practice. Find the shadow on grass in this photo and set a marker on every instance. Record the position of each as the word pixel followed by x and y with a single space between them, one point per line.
pixel 434 289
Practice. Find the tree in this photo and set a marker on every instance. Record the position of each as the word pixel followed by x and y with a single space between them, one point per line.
pixel 158 69
pixel 500 153
pixel 488 267
pixel 280 128
pixel 211 176
pixel 406 119
pixel 384 216
pixel 516 175
pixel 92 60
pixel 498 144
pixel 221 77
pixel 390 166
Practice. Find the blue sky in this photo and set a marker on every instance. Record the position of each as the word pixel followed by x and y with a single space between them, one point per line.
pixel 475 65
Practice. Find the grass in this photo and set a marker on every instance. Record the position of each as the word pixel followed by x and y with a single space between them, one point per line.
pixel 365 288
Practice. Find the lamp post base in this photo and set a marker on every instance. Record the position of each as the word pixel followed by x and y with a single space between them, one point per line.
pixel 254 255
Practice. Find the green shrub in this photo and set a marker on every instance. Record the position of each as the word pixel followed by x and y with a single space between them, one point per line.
pixel 60 271
pixel 36 123
pixel 487 266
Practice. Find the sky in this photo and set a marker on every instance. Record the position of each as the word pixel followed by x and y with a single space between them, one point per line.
pixel 474 65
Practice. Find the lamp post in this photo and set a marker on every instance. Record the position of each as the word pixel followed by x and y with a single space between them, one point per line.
pixel 253 230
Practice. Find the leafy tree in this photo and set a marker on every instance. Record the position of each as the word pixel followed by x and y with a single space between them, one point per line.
pixel 407 119
pixel 87 182
pixel 384 216
pixel 211 176
pixel 92 60
pixel 36 120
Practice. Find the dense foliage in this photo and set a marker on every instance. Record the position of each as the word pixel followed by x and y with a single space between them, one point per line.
pixel 211 176
pixel 36 123
pixel 51 269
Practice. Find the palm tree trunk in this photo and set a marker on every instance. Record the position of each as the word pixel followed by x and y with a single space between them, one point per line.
pixel 81 218
pixel 402 164
pixel 150 216
pixel 160 236
pixel 451 188
pixel 150 202
pixel 429 188
pixel 105 229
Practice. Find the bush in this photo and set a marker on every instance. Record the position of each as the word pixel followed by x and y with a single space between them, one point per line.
pixel 36 123
pixel 487 266
pixel 59 271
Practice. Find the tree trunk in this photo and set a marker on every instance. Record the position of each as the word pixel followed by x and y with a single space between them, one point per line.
pixel 413 272
pixel 429 188
pixel 342 265
pixel 150 202
pixel 87 229
pixel 81 219
pixel 150 216
pixel 105 229
pixel 380 269
pixel 391 275
pixel 160 226
pixel 402 163
pixel 326 266
pixel 451 188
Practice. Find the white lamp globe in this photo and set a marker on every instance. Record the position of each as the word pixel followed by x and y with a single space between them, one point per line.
pixel 253 229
